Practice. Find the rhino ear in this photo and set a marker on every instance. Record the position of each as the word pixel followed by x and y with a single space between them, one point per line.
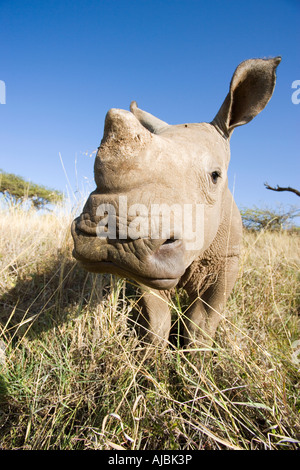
pixel 251 88
pixel 152 123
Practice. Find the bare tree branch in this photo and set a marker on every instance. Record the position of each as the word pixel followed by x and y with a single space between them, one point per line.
pixel 279 188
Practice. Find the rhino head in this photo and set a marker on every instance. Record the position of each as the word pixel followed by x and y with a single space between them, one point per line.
pixel 148 172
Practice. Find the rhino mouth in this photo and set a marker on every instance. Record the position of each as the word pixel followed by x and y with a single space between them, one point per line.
pixel 155 271
pixel 110 267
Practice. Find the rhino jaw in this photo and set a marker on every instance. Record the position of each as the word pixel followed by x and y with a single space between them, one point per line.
pixel 111 268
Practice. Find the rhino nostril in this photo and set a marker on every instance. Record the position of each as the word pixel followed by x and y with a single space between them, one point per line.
pixel 169 255
pixel 171 242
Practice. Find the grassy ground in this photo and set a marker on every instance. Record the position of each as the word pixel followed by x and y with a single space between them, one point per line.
pixel 74 376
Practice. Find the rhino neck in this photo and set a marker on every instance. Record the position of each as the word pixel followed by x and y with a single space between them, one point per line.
pixel 228 238
pixel 225 244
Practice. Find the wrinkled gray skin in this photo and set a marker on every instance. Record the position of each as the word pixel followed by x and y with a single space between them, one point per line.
pixel 150 161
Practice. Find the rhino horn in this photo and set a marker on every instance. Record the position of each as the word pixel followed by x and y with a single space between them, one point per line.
pixel 150 122
pixel 122 125
pixel 124 137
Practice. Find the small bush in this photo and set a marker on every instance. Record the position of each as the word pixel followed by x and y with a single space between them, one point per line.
pixel 268 219
pixel 16 190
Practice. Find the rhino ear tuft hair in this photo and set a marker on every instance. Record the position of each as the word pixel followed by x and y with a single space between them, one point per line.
pixel 251 88
pixel 150 122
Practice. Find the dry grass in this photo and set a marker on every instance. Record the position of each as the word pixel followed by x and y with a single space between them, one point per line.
pixel 74 375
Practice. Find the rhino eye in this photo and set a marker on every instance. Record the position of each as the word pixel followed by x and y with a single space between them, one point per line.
pixel 214 176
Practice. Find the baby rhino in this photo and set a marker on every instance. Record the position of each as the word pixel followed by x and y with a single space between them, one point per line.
pixel 162 213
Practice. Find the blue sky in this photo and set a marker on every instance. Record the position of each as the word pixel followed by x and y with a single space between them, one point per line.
pixel 65 63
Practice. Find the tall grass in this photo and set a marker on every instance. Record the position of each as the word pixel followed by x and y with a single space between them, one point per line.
pixel 74 375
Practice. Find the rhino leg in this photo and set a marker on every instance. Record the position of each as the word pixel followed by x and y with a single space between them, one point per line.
pixel 205 313
pixel 153 317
